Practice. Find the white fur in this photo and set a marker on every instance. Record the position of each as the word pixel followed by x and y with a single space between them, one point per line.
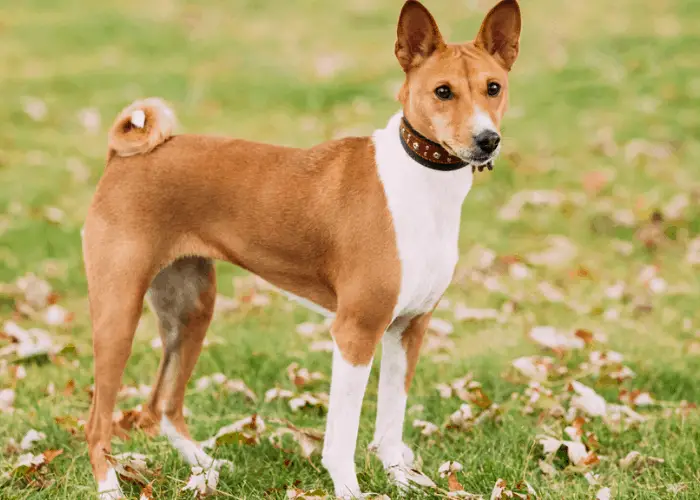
pixel 348 384
pixel 425 206
pixel 109 489
pixel 391 406
pixel 138 118
pixel 190 451
pixel 482 122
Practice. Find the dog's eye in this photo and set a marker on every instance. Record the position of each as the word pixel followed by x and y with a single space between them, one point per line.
pixel 493 89
pixel 444 93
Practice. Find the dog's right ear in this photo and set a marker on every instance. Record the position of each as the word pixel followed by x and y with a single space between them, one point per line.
pixel 417 35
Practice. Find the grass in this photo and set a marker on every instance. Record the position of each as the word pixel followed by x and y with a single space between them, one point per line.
pixel 302 72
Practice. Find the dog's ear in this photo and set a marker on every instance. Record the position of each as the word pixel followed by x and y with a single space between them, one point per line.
pixel 499 34
pixel 417 35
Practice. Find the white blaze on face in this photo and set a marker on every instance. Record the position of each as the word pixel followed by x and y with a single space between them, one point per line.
pixel 482 122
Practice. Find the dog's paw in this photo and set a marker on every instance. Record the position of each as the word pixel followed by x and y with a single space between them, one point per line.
pixel 111 495
pixel 109 489
pixel 400 455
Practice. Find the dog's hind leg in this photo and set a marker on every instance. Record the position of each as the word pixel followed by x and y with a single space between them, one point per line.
pixel 182 296
pixel 118 273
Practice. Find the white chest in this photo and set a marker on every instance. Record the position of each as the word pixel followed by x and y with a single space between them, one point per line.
pixel 425 206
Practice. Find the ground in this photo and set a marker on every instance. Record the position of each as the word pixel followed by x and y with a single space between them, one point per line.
pixel 602 132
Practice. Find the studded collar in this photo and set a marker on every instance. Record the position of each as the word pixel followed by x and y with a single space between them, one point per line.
pixel 431 154
pixel 426 152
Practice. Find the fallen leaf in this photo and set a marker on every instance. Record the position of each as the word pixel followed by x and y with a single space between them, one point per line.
pixel 464 313
pixel 7 399
pixel 30 438
pixel 499 490
pixel 513 208
pixel 310 441
pixel 132 466
pixel 246 430
pixel 587 400
pixel 636 461
pixel 560 252
pixel 534 367
pixel 548 336
pixel 238 386
pixel 297 494
pixel 277 393
pixel 427 428
pixel 147 492
pixel 318 400
pixel 603 494
pixel 449 470
pixel 202 482
pixel 302 376
pixel 56 315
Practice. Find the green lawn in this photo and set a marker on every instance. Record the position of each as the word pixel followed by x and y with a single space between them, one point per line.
pixel 604 127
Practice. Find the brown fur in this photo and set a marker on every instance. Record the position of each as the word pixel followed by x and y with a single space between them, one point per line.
pixel 314 222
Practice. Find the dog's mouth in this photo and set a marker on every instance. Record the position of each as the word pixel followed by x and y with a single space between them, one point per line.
pixel 478 160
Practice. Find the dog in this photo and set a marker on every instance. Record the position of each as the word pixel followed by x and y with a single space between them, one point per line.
pixel 365 228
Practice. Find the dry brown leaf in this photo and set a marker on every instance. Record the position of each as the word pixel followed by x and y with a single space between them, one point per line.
pixel 449 470
pixel 427 428
pixel 300 376
pixel 246 431
pixel 310 441
pixel 147 492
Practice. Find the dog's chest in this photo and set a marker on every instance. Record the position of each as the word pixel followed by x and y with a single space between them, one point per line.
pixel 425 207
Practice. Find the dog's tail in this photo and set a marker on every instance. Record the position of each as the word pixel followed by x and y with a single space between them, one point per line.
pixel 141 127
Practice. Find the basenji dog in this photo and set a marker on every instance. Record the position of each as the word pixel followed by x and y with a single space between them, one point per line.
pixel 365 228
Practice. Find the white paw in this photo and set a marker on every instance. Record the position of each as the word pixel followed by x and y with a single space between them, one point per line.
pixel 109 489
pixel 352 496
pixel 397 455
pixel 111 495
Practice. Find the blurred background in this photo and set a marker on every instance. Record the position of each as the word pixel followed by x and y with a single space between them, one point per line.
pixel 590 219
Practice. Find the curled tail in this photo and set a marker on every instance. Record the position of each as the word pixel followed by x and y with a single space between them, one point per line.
pixel 141 127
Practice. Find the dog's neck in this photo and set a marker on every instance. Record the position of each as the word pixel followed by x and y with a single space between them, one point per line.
pixel 451 186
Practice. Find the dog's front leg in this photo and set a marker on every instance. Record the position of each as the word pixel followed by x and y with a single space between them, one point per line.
pixel 352 362
pixel 400 348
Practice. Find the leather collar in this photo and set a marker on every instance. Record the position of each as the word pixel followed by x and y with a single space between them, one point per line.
pixel 428 153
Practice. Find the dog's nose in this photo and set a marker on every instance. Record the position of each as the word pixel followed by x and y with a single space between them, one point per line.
pixel 487 141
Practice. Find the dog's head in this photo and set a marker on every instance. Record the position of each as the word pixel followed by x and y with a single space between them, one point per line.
pixel 456 94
